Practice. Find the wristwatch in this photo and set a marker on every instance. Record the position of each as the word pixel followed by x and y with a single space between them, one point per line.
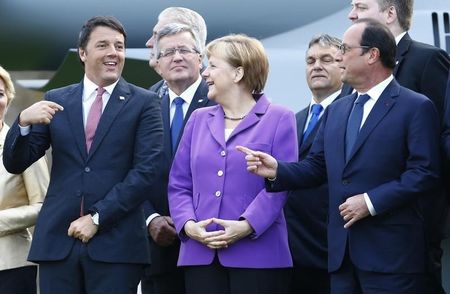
pixel 94 217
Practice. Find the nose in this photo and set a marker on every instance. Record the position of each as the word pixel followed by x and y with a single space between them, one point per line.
pixel 177 55
pixel 205 73
pixel 317 65
pixel 352 15
pixel 338 56
pixel 112 50
pixel 150 43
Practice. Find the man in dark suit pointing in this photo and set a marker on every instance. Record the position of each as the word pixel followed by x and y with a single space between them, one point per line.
pixel 379 151
pixel 424 69
pixel 106 138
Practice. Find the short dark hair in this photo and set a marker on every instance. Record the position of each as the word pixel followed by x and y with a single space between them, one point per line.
pixel 377 35
pixel 97 21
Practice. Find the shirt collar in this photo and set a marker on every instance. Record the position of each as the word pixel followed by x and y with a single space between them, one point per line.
pixel 90 87
pixel 188 94
pixel 376 91
pixel 399 37
pixel 325 102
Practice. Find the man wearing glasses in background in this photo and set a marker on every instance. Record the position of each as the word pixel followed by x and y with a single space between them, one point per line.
pixel 379 151
pixel 178 56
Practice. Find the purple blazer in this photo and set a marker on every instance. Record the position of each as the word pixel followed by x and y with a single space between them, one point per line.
pixel 209 179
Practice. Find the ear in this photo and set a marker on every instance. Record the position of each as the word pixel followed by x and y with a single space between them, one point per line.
pixel 157 67
pixel 82 53
pixel 238 74
pixel 391 16
pixel 200 64
pixel 374 55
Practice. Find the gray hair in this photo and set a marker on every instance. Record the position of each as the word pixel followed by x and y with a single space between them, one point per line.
pixel 190 18
pixel 325 40
pixel 174 29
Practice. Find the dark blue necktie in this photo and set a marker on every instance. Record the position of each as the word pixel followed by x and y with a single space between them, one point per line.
pixel 177 121
pixel 354 124
pixel 316 109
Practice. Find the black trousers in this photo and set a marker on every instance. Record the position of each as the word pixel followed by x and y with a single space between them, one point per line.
pixel 21 280
pixel 164 283
pixel 218 279
pixel 307 280
pixel 79 274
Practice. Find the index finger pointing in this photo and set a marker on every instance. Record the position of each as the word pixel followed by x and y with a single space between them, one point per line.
pixel 55 106
pixel 245 150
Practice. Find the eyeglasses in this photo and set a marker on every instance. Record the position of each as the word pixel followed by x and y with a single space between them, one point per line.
pixel 169 52
pixel 344 48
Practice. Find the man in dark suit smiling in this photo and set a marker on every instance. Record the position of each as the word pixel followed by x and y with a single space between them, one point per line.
pixel 106 138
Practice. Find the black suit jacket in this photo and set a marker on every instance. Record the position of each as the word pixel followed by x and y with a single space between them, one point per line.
pixel 424 69
pixel 306 210
pixel 164 259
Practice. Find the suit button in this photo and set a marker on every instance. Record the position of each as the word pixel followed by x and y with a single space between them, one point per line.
pixel 218 193
pixel 345 182
pixel 223 153
pixel 220 173
pixel 87 169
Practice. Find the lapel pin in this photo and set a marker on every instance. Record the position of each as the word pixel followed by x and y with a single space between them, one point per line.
pixel 396 62
pixel 200 100
pixel 121 98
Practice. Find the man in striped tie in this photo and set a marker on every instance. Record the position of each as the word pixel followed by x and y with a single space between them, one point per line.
pixel 106 137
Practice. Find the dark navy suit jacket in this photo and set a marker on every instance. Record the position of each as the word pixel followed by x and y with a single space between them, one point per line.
pixel 306 210
pixel 395 160
pixel 113 179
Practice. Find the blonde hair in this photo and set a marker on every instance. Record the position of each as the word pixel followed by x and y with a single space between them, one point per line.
pixel 9 86
pixel 246 52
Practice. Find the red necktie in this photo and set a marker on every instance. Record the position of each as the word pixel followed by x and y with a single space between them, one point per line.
pixel 94 117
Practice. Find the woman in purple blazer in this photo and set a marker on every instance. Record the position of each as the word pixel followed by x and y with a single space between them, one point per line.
pixel 233 232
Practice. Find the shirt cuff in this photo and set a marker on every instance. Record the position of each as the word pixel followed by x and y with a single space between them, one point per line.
pixel 24 130
pixel 151 217
pixel 369 205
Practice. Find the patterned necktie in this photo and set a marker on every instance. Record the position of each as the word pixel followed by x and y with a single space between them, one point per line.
pixel 93 118
pixel 177 122
pixel 316 109
pixel 354 124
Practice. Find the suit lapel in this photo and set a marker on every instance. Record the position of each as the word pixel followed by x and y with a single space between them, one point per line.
pixel 252 117
pixel 199 100
pixel 380 109
pixel 216 125
pixel 165 109
pixel 118 99
pixel 301 117
pixel 74 110
pixel 402 50
pixel 344 113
